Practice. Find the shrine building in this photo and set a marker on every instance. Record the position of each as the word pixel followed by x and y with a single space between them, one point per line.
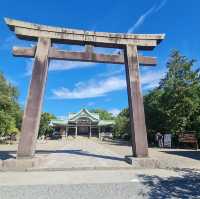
pixel 83 123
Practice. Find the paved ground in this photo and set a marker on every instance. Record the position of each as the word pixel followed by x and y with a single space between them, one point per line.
pixel 123 184
pixel 91 153
pixel 177 158
pixel 84 153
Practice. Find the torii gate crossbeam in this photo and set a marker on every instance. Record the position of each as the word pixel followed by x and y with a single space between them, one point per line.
pixel 45 36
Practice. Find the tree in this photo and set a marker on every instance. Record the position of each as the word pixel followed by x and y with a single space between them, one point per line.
pixel 181 96
pixel 103 114
pixel 10 113
pixel 175 105
pixel 122 124
pixel 7 124
pixel 45 128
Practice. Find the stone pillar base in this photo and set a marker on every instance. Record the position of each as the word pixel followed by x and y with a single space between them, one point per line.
pixel 19 164
pixel 143 163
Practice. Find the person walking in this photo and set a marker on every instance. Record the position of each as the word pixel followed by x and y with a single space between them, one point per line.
pixel 159 139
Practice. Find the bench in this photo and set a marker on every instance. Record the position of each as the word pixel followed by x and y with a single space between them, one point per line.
pixel 188 138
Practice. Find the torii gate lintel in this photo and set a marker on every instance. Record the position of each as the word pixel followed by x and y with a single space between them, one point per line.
pixel 43 51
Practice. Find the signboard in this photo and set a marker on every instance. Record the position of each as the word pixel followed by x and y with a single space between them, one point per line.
pixel 167 140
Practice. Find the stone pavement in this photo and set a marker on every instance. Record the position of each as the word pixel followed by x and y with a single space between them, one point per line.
pixel 82 177
pixel 87 168
pixel 83 153
pixel 118 184
pixel 169 158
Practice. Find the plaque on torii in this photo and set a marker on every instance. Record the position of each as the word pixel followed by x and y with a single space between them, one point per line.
pixel 43 51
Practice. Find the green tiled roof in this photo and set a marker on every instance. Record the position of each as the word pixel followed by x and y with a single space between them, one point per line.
pixel 72 117
pixel 83 113
pixel 106 122
pixel 58 122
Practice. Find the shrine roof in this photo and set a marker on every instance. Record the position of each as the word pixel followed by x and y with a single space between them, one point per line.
pixel 106 122
pixel 83 113
pixel 72 117
pixel 59 122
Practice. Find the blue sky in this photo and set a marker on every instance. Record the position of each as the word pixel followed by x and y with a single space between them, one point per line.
pixel 73 85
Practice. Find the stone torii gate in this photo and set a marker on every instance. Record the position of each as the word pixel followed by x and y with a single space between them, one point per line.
pixel 43 51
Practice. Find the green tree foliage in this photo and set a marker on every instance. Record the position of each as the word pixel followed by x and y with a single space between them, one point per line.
pixel 10 113
pixel 122 124
pixel 7 124
pixel 103 114
pixel 45 128
pixel 175 105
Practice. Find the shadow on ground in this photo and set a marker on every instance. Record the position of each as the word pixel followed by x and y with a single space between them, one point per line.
pixel 9 154
pixel 186 187
pixel 4 155
pixel 189 154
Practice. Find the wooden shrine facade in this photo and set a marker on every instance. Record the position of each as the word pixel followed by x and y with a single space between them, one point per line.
pixel 43 52
pixel 83 123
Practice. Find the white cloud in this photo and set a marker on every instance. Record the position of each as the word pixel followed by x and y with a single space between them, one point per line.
pixel 151 79
pixel 68 65
pixel 7 43
pixel 69 47
pixel 162 4
pixel 114 111
pixel 94 88
pixel 150 86
pixel 103 50
pixel 10 41
pixel 151 76
pixel 57 65
pixel 90 89
pixel 118 71
pixel 29 67
pixel 143 17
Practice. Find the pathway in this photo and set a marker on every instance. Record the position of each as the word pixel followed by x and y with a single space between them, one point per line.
pixel 83 153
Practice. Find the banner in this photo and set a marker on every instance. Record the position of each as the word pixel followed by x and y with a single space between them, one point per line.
pixel 167 140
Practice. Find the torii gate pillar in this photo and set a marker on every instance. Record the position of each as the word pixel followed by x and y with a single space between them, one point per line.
pixel 135 99
pixel 32 112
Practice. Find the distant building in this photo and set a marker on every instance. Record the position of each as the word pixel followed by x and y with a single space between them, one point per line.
pixel 83 123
